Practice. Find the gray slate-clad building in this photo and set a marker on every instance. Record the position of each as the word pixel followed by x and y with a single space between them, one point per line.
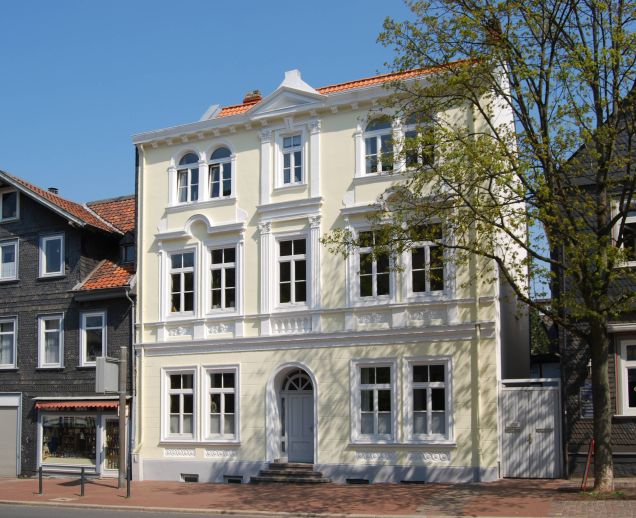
pixel 66 288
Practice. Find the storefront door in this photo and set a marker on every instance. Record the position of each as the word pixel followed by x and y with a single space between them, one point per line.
pixel 110 446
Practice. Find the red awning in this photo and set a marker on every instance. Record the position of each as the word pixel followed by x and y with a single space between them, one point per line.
pixel 56 405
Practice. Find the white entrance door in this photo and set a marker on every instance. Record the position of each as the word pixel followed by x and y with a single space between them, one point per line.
pixel 110 446
pixel 8 441
pixel 531 439
pixel 300 427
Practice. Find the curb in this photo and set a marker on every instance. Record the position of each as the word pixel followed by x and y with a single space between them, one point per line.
pixel 229 512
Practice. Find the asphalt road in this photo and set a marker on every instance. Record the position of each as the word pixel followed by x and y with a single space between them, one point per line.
pixel 28 511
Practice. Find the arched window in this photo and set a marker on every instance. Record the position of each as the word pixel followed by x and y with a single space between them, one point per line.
pixel 297 380
pixel 419 148
pixel 378 146
pixel 221 173
pixel 188 178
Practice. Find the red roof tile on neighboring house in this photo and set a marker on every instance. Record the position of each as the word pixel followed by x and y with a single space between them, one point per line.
pixel 75 209
pixel 119 212
pixel 236 109
pixel 108 274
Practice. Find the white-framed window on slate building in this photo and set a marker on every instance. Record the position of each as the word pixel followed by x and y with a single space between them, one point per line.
pixel 8 340
pixel 9 260
pixel 627 376
pixel 9 205
pixel 50 341
pixel 52 255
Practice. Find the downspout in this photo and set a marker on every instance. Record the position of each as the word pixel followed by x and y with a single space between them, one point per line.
pixel 131 371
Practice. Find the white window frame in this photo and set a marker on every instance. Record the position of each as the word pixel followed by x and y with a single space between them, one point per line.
pixel 14 321
pixel 410 385
pixel 222 437
pixel 188 168
pixel 414 128
pixel 354 277
pixel 237 265
pixel 4 191
pixel 407 277
pixel 356 404
pixel 624 366
pixel 166 435
pixel 231 161
pixel 43 241
pixel 308 279
pixel 628 220
pixel 83 316
pixel 377 135
pixel 16 249
pixel 280 160
pixel 168 277
pixel 42 364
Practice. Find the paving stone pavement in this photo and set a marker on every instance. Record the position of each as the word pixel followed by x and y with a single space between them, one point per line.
pixel 510 498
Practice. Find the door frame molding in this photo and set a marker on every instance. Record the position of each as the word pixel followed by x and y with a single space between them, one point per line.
pixel 272 409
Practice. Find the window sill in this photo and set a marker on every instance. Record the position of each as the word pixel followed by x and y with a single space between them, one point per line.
pixel 86 366
pixel 290 308
pixel 371 302
pixel 290 187
pixel 377 442
pixel 408 444
pixel 624 415
pixel 428 295
pixel 171 441
pixel 51 276
pixel 9 281
pixel 220 314
pixel 378 177
pixel 7 368
pixel 628 264
pixel 212 202
pixel 9 220
pixel 50 368
pixel 220 442
pixel 180 316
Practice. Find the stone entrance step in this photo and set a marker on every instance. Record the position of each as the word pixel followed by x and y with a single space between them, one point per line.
pixel 289 473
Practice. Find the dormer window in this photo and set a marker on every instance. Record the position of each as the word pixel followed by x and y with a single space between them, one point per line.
pixel 292 160
pixel 188 179
pixel 221 173
pixel 8 205
pixel 378 146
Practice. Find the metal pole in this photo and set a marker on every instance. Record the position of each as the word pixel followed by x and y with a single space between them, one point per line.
pixel 123 368
pixel 82 482
pixel 128 478
pixel 41 489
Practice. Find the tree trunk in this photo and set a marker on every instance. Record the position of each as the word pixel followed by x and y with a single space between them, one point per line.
pixel 603 464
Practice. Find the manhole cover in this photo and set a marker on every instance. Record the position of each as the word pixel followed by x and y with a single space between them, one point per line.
pixel 62 499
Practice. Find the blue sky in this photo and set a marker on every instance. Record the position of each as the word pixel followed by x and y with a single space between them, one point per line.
pixel 79 78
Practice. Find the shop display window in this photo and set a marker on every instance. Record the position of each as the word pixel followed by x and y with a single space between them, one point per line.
pixel 68 440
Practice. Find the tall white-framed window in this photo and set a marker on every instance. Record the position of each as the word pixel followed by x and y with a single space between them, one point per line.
pixel 220 174
pixel 181 282
pixel 9 260
pixel 52 255
pixel 419 146
pixel 292 160
pixel 627 376
pixel 374 270
pixel 188 178
pixel 8 341
pixel 51 341
pixel 222 403
pixel 428 412
pixel 378 146
pixel 374 400
pixel 178 405
pixel 93 337
pixel 292 271
pixel 9 205
pixel 427 267
pixel 223 278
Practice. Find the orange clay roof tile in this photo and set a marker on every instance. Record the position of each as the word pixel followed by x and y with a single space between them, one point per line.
pixel 108 274
pixel 75 209
pixel 237 109
pixel 119 212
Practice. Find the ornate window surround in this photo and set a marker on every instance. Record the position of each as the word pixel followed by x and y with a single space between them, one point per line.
pixel 165 435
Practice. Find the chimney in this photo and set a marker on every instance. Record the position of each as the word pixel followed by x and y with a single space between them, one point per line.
pixel 254 95
pixel 54 190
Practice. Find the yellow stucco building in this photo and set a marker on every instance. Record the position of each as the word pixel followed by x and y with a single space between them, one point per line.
pixel 255 344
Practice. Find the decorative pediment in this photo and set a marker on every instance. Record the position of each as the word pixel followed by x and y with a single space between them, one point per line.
pixel 291 94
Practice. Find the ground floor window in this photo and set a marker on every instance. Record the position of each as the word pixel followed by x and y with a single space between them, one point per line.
pixel 69 440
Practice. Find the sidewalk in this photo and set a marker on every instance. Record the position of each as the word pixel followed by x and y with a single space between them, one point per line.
pixel 501 498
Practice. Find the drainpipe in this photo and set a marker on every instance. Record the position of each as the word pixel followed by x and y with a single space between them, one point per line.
pixel 131 371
